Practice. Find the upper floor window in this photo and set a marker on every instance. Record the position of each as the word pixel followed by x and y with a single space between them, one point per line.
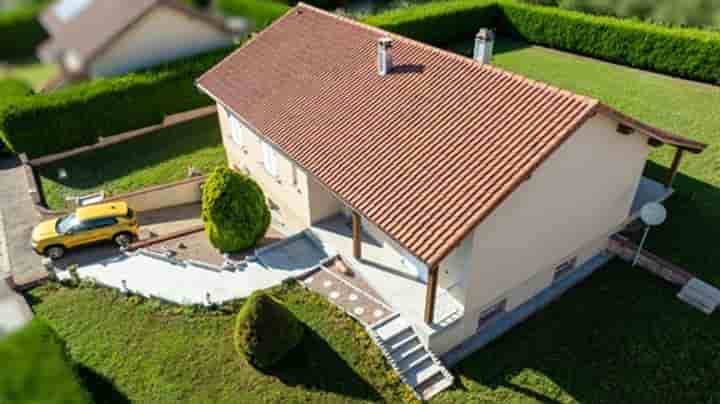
pixel 269 159
pixel 235 128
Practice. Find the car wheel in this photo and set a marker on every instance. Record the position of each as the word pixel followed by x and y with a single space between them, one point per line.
pixel 55 252
pixel 123 239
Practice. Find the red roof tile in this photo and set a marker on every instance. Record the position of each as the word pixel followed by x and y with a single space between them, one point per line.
pixel 425 153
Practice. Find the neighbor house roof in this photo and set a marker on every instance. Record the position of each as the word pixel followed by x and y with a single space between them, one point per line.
pixel 96 25
pixel 426 152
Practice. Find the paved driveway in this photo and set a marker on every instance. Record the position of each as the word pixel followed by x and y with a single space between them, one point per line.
pixel 17 218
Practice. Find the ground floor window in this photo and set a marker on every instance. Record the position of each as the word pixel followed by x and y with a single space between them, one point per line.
pixel 491 314
pixel 565 267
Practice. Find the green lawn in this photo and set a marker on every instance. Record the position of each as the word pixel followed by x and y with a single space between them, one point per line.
pixel 156 353
pixel 152 159
pixel 33 72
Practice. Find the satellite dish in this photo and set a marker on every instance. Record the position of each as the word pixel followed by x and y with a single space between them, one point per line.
pixel 653 214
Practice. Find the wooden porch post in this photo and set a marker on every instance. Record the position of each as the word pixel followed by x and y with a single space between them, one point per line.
pixel 674 167
pixel 357 240
pixel 431 291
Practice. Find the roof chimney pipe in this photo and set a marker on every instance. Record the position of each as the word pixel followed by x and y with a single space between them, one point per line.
pixel 384 56
pixel 484 41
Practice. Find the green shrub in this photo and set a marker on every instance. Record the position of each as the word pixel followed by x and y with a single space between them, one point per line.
pixel 77 115
pixel 36 369
pixel 21 32
pixel 234 210
pixel 266 330
pixel 688 53
pixel 438 23
pixel 260 12
pixel 12 87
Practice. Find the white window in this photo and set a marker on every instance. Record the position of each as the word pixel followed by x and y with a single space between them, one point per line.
pixel 269 159
pixel 235 128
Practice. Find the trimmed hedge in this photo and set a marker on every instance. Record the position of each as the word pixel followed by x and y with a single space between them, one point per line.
pixel 687 53
pixel 21 32
pixel 439 23
pixel 77 115
pixel 36 368
pixel 260 12
pixel 234 210
pixel 681 52
pixel 265 330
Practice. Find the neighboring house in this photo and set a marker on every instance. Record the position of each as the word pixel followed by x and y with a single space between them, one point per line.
pixel 470 190
pixel 94 38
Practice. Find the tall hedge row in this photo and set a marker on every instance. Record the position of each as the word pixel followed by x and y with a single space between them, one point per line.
pixel 20 32
pixel 260 12
pixel 77 115
pixel 688 53
pixel 439 23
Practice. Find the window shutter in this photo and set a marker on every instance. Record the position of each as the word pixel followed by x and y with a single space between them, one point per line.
pixel 235 128
pixel 269 159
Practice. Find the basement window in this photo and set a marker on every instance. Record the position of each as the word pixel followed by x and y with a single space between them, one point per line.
pixel 491 314
pixel 566 267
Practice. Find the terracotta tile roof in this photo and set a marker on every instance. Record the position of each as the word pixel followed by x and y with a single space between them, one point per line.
pixel 102 21
pixel 425 153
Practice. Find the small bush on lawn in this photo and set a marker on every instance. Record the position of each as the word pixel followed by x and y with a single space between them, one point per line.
pixel 76 116
pixel 266 330
pixel 21 32
pixel 36 369
pixel 234 210
pixel 260 12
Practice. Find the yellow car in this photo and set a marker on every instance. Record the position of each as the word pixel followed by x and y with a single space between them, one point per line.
pixel 87 225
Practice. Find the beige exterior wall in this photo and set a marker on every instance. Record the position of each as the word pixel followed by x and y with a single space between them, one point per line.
pixel 164 196
pixel 162 35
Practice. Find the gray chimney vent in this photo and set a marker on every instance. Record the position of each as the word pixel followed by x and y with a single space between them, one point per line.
pixel 484 41
pixel 384 56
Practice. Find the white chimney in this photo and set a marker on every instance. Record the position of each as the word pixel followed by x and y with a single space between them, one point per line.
pixel 384 56
pixel 484 41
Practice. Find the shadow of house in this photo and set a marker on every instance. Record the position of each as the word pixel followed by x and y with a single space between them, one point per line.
pixel 314 365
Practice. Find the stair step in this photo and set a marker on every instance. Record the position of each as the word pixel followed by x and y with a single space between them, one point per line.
pixel 404 345
pixel 400 336
pixel 385 320
pixel 419 375
pixel 403 355
pixel 437 383
pixel 392 328
pixel 417 363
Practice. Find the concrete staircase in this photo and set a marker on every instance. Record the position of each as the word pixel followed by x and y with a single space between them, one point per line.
pixel 415 364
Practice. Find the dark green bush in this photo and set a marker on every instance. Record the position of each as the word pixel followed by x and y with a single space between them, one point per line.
pixel 266 330
pixel 36 369
pixel 234 210
pixel 20 32
pixel 688 53
pixel 260 12
pixel 75 116
pixel 12 87
pixel 438 23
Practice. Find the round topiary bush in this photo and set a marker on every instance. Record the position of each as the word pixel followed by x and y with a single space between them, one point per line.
pixel 266 330
pixel 234 210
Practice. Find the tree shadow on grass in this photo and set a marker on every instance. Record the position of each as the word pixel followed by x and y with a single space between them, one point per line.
pixel 100 387
pixel 314 365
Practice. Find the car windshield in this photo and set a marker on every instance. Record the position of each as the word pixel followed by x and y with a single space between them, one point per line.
pixel 67 223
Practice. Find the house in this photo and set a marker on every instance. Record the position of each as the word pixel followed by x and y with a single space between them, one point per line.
pixel 97 38
pixel 463 193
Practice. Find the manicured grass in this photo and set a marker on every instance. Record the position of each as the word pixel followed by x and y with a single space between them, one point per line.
pixel 152 159
pixel 33 72
pixel 157 353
